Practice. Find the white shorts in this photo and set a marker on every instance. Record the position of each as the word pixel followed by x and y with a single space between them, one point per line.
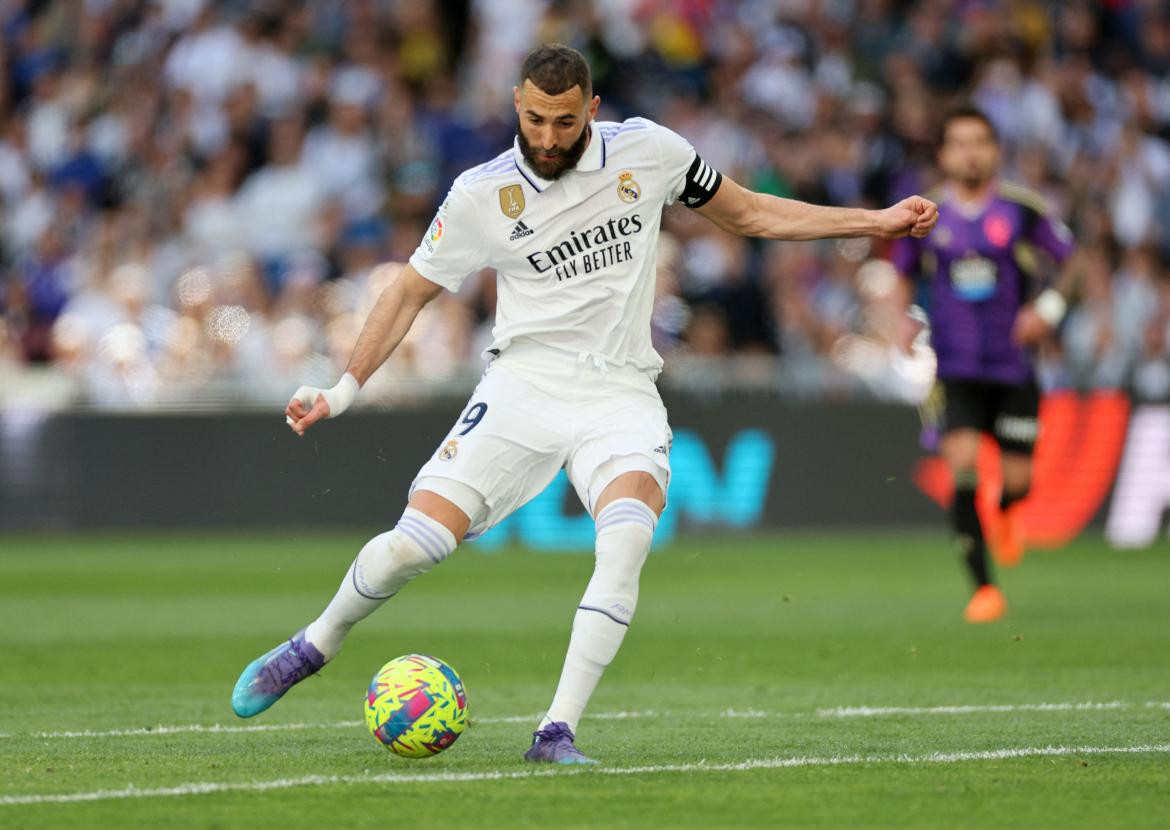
pixel 535 411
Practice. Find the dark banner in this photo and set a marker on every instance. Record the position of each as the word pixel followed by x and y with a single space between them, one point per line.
pixel 742 462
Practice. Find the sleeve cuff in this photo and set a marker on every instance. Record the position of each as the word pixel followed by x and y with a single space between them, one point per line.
pixel 427 271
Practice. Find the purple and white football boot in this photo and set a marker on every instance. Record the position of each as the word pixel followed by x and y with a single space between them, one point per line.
pixel 553 744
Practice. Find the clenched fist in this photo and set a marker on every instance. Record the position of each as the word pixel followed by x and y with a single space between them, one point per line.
pixel 913 216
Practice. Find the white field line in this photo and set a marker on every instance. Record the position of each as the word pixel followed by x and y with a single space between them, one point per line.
pixel 186 728
pixel 836 712
pixel 227 728
pixel 206 787
pixel 880 711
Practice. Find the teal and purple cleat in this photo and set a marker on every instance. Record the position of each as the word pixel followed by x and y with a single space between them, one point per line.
pixel 553 744
pixel 266 679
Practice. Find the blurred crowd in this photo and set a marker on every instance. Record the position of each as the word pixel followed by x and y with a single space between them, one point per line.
pixel 200 198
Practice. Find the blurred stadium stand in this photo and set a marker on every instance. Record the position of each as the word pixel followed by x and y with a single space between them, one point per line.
pixel 197 196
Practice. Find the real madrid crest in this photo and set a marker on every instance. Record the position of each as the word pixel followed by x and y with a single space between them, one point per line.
pixel 512 201
pixel 628 189
pixel 450 450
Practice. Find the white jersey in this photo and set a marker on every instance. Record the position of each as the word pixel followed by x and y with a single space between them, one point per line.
pixel 575 257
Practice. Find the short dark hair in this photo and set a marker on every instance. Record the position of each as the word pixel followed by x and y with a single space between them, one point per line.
pixel 555 68
pixel 962 114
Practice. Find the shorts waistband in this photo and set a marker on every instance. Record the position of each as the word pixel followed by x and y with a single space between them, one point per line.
pixel 563 362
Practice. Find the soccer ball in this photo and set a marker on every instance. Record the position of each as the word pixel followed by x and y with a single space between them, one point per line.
pixel 416 706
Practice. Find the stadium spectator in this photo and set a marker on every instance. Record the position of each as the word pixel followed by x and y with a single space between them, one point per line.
pixel 283 129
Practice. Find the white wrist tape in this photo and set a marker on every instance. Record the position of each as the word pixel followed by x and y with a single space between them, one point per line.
pixel 1050 306
pixel 339 397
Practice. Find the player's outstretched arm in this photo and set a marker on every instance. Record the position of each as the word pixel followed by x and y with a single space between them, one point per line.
pixel 389 321
pixel 746 213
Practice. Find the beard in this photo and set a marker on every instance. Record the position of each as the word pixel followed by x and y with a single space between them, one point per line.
pixel 975 176
pixel 565 158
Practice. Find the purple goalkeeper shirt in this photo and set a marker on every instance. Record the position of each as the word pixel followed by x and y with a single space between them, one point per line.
pixel 978 262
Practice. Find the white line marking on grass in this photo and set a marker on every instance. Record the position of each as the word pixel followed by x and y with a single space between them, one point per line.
pixel 212 728
pixel 228 728
pixel 836 712
pixel 746 713
pixel 535 718
pixel 880 711
pixel 208 787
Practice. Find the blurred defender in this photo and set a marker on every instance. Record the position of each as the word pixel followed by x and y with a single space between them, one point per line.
pixel 985 319
pixel 569 219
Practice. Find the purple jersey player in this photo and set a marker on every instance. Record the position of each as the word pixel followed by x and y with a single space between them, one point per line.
pixel 980 272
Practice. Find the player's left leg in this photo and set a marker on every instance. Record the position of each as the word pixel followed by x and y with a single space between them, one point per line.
pixel 626 513
pixel 1016 430
pixel 1007 536
pixel 620 468
pixel 1017 478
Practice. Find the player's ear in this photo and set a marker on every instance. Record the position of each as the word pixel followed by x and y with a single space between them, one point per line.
pixel 516 98
pixel 593 105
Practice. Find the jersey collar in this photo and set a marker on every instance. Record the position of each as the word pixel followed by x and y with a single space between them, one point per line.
pixel 972 210
pixel 591 160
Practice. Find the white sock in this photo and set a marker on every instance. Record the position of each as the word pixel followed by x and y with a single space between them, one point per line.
pixel 382 567
pixel 624 530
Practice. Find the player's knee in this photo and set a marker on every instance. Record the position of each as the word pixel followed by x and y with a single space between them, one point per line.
pixel 391 559
pixel 425 537
pixel 625 529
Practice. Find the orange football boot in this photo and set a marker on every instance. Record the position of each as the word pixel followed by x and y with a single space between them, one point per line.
pixel 986 605
pixel 1006 538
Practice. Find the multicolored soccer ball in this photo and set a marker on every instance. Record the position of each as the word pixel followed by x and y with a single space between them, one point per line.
pixel 416 706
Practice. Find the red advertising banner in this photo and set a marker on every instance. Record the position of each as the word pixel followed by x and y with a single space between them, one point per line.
pixel 1089 446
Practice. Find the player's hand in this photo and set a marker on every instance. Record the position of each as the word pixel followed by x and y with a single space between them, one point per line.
pixel 913 216
pixel 1029 328
pixel 307 407
pixel 310 404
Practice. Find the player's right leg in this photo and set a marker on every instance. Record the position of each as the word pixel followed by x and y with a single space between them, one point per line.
pixel 960 448
pixel 506 444
pixel 430 528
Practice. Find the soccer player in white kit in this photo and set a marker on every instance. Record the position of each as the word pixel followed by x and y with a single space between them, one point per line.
pixel 569 218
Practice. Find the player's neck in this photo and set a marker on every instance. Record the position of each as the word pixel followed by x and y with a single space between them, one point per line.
pixel 973 198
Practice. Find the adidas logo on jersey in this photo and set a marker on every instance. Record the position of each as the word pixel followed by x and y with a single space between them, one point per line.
pixel 520 231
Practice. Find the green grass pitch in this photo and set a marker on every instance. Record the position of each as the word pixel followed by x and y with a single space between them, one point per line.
pixel 724 709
